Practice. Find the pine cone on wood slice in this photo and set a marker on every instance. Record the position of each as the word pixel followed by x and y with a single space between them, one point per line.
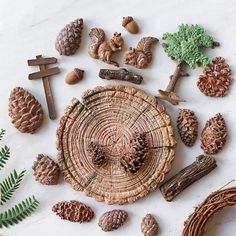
pixel 46 171
pixel 25 111
pixel 134 157
pixel 149 226
pixel 216 78
pixel 214 135
pixel 73 211
pixel 112 220
pixel 69 38
pixel 187 125
pixel 97 155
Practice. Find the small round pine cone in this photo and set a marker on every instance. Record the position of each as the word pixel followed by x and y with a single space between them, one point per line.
pixel 46 171
pixel 112 220
pixel 73 211
pixel 187 125
pixel 216 78
pixel 97 155
pixel 214 135
pixel 136 153
pixel 149 226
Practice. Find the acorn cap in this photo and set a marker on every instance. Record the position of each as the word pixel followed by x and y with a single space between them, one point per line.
pixel 127 20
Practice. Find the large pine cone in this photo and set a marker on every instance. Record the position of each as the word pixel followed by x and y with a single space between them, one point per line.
pixel 46 171
pixel 149 226
pixel 134 157
pixel 97 155
pixel 25 111
pixel 74 211
pixel 216 78
pixel 69 38
pixel 214 135
pixel 112 220
pixel 187 125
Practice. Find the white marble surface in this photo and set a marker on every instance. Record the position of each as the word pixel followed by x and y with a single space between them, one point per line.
pixel 28 28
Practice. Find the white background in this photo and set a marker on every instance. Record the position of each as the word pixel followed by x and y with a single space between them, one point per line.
pixel 29 28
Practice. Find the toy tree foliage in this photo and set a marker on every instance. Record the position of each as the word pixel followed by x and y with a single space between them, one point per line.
pixel 185 45
pixel 7 187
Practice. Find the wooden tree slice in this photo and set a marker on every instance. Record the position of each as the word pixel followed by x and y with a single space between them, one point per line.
pixel 111 116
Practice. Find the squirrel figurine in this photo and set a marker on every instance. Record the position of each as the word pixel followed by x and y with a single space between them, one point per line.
pixel 140 56
pixel 102 49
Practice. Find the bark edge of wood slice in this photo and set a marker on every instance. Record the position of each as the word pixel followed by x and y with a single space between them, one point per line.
pixel 110 116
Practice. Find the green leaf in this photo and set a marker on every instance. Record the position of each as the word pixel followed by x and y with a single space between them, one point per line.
pixel 19 212
pixel 2 132
pixel 4 156
pixel 10 185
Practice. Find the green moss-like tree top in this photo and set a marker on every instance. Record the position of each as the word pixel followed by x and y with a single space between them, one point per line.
pixel 185 45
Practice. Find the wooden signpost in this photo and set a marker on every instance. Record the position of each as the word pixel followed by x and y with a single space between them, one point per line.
pixel 44 74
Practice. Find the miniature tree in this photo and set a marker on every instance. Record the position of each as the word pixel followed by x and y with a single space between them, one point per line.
pixel 185 47
pixel 7 187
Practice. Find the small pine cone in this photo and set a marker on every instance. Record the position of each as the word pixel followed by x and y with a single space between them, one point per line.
pixel 134 157
pixel 112 220
pixel 216 78
pixel 74 211
pixel 149 226
pixel 187 125
pixel 69 38
pixel 46 171
pixel 214 135
pixel 25 111
pixel 97 155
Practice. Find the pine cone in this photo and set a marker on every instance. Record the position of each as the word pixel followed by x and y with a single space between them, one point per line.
pixel 46 171
pixel 187 125
pixel 74 211
pixel 214 135
pixel 69 38
pixel 112 220
pixel 216 78
pixel 134 157
pixel 149 226
pixel 99 158
pixel 25 111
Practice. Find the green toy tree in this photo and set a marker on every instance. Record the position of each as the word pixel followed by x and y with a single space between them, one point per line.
pixel 7 187
pixel 185 47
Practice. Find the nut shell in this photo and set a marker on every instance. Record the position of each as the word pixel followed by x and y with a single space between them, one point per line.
pixel 149 226
pixel 74 76
pixel 130 25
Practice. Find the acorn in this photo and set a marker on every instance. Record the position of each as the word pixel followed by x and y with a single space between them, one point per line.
pixel 74 76
pixel 129 23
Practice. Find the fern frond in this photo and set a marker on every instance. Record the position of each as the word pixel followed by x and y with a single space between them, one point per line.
pixel 19 212
pixel 4 156
pixel 10 185
pixel 2 132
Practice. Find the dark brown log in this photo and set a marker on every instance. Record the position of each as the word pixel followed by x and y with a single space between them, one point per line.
pixel 42 61
pixel 190 174
pixel 121 74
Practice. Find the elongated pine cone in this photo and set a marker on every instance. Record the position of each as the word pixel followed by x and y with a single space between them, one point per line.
pixel 214 135
pixel 216 78
pixel 187 125
pixel 112 220
pixel 46 171
pixel 97 155
pixel 69 38
pixel 134 157
pixel 74 211
pixel 25 111
pixel 149 226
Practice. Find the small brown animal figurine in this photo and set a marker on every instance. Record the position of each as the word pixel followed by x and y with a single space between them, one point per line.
pixel 102 49
pixel 140 56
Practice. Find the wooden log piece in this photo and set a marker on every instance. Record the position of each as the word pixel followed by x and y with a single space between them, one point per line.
pixel 190 174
